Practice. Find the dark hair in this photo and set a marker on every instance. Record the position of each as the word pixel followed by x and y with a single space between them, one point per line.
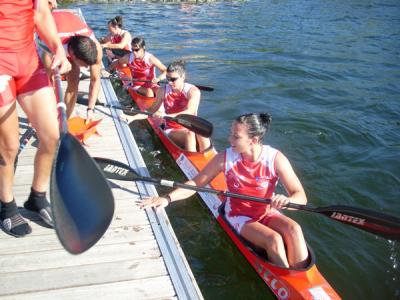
pixel 83 48
pixel 178 67
pixel 257 124
pixel 117 21
pixel 139 42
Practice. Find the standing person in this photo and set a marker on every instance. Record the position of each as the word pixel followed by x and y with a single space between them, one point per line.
pixel 254 169
pixel 178 97
pixel 24 79
pixel 142 65
pixel 83 50
pixel 118 42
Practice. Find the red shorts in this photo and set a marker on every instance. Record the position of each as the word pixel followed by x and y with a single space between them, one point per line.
pixel 21 72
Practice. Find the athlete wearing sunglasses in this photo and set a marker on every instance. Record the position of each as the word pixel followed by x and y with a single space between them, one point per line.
pixel 142 65
pixel 178 97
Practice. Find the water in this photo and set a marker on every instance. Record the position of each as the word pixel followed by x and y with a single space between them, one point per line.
pixel 328 72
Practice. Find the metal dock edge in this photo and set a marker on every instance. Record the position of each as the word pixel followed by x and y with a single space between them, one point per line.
pixel 178 268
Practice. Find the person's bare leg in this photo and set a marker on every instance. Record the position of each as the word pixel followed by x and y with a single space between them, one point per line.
pixel 268 239
pixel 37 105
pixel 8 150
pixel 190 141
pixel 204 143
pixel 41 110
pixel 71 92
pixel 178 137
pixel 145 92
pixel 293 237
pixel 10 218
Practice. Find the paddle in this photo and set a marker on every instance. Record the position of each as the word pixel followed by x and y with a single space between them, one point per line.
pixel 23 141
pixel 200 87
pixel 81 199
pixel 194 123
pixel 378 223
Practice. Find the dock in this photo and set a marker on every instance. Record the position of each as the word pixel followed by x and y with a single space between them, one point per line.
pixel 139 257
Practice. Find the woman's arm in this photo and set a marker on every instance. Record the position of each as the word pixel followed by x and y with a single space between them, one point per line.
pixel 124 60
pixel 47 31
pixel 290 181
pixel 210 171
pixel 160 66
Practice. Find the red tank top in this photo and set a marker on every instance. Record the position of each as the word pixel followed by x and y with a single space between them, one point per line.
pixel 117 38
pixel 16 24
pixel 69 25
pixel 175 102
pixel 141 68
pixel 250 178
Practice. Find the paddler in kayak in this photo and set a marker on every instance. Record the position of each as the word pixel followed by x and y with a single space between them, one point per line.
pixel 83 50
pixel 254 169
pixel 142 65
pixel 175 98
pixel 118 42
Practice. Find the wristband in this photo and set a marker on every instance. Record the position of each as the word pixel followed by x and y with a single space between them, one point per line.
pixel 168 197
pixel 89 109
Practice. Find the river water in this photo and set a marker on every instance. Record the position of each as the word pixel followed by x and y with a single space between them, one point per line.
pixel 329 73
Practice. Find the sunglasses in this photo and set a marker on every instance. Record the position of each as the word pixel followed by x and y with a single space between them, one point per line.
pixel 136 50
pixel 172 79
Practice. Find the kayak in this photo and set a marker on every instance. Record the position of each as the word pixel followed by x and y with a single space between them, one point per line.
pixel 304 283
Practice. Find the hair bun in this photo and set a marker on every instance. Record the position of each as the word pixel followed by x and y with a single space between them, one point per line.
pixel 265 118
pixel 119 20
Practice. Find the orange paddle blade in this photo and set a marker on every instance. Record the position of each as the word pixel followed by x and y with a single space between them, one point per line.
pixel 82 131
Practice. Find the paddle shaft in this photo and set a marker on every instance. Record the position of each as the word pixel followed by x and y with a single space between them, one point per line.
pixel 371 221
pixel 137 111
pixel 192 122
pixel 125 109
pixel 24 140
pixel 200 87
pixel 61 104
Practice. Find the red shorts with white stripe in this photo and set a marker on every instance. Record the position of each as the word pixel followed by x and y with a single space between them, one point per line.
pixel 21 72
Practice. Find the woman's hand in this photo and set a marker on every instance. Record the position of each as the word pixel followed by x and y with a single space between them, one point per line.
pixel 158 115
pixel 59 60
pixel 154 202
pixel 278 201
pixel 89 115
pixel 155 80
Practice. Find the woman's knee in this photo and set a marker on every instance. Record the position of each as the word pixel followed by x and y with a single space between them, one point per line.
pixel 274 242
pixel 48 140
pixel 293 229
pixel 9 149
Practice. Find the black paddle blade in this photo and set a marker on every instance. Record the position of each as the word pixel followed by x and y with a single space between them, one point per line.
pixel 81 199
pixel 378 223
pixel 116 170
pixel 205 88
pixel 195 123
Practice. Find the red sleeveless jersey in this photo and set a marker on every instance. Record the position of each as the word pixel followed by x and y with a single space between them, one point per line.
pixel 141 68
pixel 175 102
pixel 16 25
pixel 117 38
pixel 250 178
